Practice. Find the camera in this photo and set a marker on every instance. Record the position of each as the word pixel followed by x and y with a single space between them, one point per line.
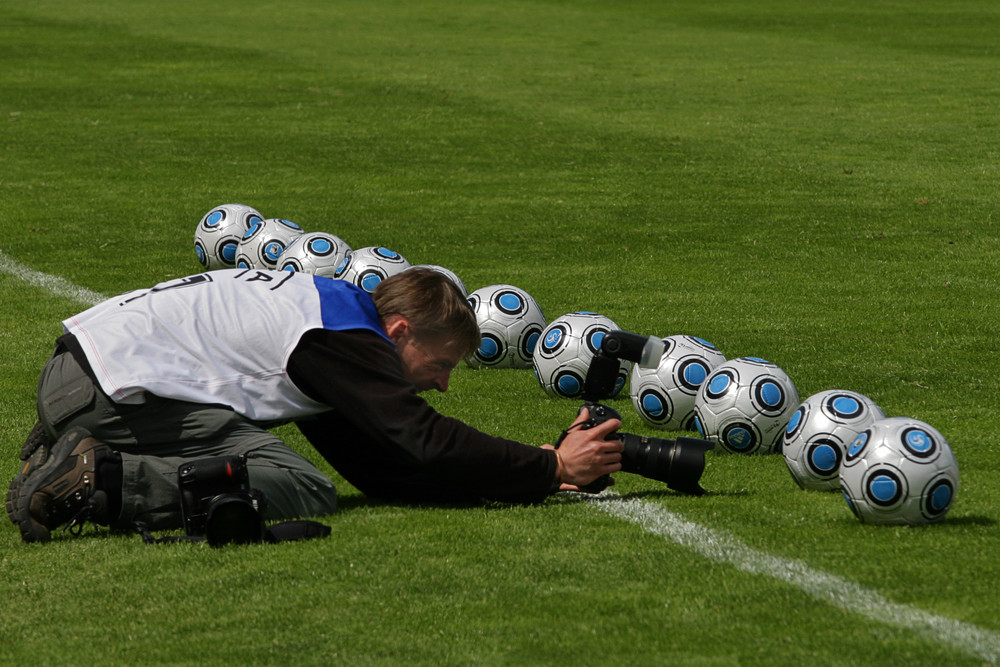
pixel 679 463
pixel 218 503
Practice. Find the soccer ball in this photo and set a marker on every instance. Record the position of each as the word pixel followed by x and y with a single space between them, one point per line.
pixel 318 253
pixel 447 273
pixel 264 242
pixel 368 266
pixel 219 233
pixel 899 471
pixel 568 343
pixel 744 406
pixel 510 322
pixel 819 432
pixel 664 396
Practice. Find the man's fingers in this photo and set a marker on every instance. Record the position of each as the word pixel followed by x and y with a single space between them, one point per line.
pixel 582 416
pixel 574 487
pixel 607 428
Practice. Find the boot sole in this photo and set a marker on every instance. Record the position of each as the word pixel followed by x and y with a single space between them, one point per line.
pixel 32 444
pixel 31 530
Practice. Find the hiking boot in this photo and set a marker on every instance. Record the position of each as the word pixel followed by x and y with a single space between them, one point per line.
pixel 63 490
pixel 34 454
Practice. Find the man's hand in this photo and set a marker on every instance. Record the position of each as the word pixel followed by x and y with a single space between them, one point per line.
pixel 585 455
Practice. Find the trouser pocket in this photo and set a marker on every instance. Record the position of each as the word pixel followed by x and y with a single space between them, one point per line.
pixel 63 390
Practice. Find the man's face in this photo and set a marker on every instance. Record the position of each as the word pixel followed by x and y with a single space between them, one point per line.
pixel 428 364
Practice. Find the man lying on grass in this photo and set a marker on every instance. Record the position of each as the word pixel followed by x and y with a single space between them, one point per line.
pixel 204 365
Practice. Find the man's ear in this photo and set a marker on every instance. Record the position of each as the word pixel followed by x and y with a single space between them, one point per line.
pixel 397 327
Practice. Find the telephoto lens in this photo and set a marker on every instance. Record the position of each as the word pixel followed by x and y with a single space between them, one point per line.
pixel 679 463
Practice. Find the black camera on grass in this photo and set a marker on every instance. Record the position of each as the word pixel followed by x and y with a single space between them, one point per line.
pixel 679 463
pixel 218 503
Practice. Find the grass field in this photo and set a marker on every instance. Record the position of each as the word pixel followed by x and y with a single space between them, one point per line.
pixel 812 183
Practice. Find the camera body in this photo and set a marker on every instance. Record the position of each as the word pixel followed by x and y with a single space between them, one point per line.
pixel 217 501
pixel 679 463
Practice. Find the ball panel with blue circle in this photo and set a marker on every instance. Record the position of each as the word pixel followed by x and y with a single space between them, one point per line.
pixel 857 446
pixel 938 496
pixel 655 405
pixel 594 337
pixel 565 347
pixel 553 340
pixel 272 251
pixel 513 319
pixel 320 247
pixel 742 437
pixel 884 487
pixel 682 369
pixel 370 279
pixel 214 218
pixel 264 242
pixel 529 340
pixel 751 391
pixel 845 407
pixel 692 373
pixel 900 471
pixel 918 442
pixel 719 383
pixel 227 251
pixel 509 302
pixel 367 267
pixel 823 456
pixel 290 225
pixel 490 348
pixel 219 232
pixel 318 253
pixel 796 422
pixel 568 384
pixel 836 416
pixel 768 396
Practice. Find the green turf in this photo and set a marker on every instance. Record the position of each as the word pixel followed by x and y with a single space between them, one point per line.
pixel 813 183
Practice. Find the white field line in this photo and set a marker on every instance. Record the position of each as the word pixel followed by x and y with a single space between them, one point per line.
pixel 711 544
pixel 839 592
pixel 54 284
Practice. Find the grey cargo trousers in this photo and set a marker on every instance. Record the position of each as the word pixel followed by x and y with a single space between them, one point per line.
pixel 155 437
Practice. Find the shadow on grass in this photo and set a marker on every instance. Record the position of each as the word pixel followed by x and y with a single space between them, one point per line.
pixel 977 520
pixel 667 493
pixel 573 497
pixel 348 503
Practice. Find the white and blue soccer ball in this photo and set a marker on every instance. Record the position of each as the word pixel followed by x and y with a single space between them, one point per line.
pixel 510 324
pixel 448 273
pixel 263 243
pixel 367 267
pixel 567 346
pixel 899 471
pixel 744 406
pixel 819 432
pixel 664 396
pixel 218 234
pixel 318 253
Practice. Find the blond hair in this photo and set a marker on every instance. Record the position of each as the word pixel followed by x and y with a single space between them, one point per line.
pixel 433 305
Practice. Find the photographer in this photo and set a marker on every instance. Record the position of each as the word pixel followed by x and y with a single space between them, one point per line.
pixel 203 366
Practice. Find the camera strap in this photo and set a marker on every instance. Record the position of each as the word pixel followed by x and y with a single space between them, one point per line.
pixel 285 531
pixel 562 436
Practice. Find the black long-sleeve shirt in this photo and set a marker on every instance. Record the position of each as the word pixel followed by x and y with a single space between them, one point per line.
pixel 389 442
